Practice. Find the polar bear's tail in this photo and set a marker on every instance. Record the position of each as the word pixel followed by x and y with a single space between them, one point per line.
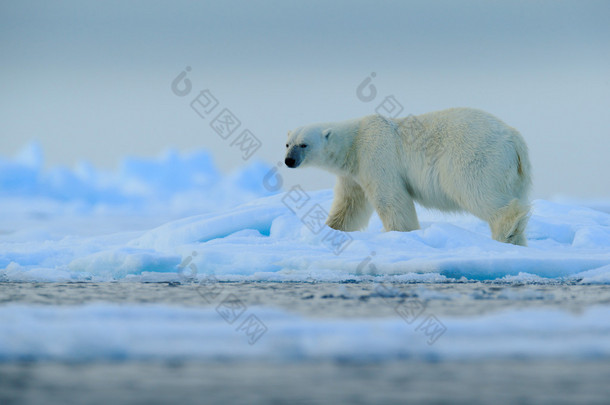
pixel 508 224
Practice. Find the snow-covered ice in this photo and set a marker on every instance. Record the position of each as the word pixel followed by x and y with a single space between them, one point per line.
pixel 87 224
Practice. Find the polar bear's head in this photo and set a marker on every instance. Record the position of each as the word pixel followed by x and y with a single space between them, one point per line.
pixel 307 146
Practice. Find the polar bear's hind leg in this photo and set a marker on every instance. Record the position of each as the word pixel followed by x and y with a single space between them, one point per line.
pixel 508 223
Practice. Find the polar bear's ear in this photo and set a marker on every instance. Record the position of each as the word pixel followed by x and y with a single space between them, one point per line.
pixel 326 133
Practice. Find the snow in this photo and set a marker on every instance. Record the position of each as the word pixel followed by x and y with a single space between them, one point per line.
pixel 138 222
pixel 129 332
pixel 172 183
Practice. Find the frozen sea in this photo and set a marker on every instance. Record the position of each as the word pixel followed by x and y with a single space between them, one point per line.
pixel 168 281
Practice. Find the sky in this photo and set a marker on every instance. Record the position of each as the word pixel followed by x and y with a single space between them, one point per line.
pixel 93 80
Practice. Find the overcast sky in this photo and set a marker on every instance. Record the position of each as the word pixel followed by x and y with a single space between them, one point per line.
pixel 92 81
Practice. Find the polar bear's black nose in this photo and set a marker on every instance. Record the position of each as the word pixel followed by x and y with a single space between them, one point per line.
pixel 289 162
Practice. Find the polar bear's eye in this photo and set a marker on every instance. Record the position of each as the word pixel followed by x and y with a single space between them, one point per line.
pixel 286 145
pixel 303 145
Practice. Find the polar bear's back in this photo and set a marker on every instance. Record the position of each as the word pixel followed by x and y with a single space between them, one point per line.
pixel 470 151
pixel 466 128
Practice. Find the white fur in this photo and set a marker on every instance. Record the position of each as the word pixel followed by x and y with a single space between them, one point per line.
pixel 460 159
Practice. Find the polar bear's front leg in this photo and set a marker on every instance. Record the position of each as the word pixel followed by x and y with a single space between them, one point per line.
pixel 394 206
pixel 351 210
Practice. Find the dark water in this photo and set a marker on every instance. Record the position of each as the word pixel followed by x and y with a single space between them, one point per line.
pixel 545 381
pixel 481 382
pixel 326 300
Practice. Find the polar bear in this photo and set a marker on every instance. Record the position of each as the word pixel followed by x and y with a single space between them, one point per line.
pixel 460 159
